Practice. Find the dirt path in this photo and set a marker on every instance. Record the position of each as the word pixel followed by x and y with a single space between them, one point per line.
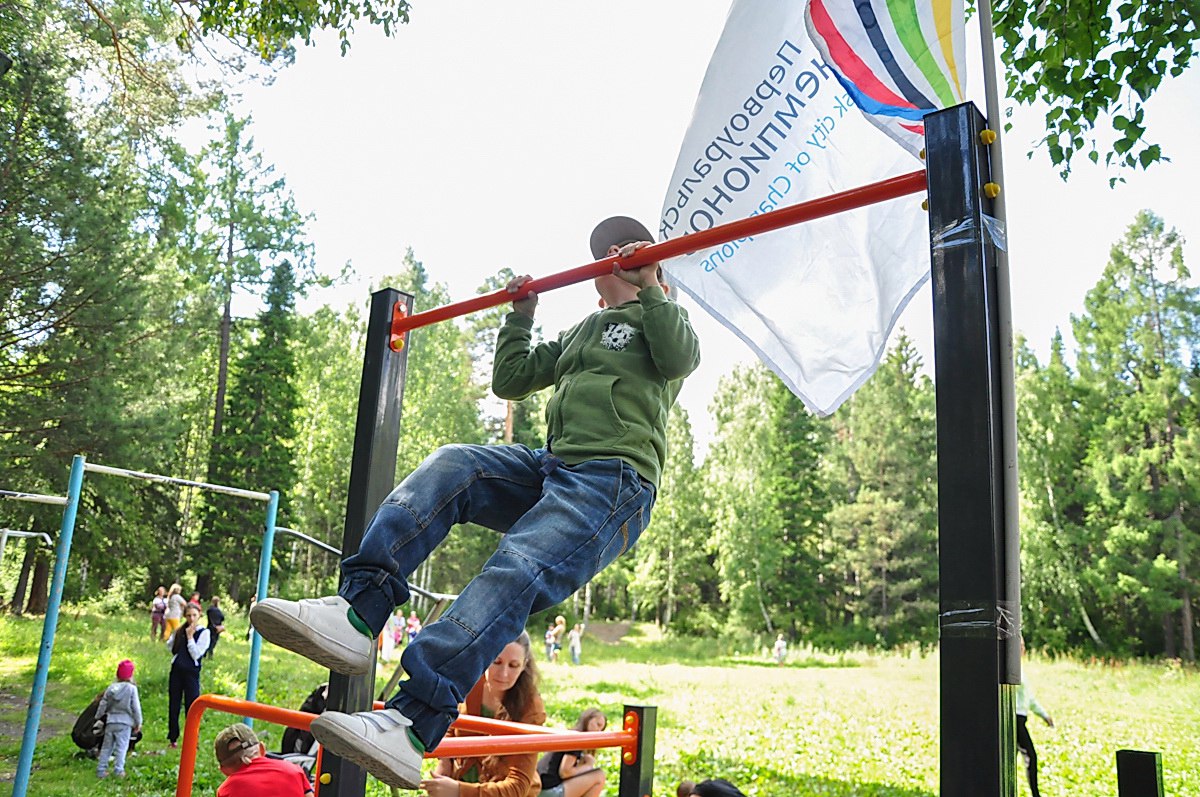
pixel 609 633
pixel 13 710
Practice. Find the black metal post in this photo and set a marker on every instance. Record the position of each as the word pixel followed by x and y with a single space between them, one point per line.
pixel 372 477
pixel 637 775
pixel 979 576
pixel 1139 774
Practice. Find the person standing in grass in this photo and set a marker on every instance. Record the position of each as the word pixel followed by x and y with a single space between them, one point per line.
pixel 158 611
pixel 574 773
pixel 189 643
pixel 216 623
pixel 175 606
pixel 121 709
pixel 780 650
pixel 559 631
pixel 1026 703
pixel 575 642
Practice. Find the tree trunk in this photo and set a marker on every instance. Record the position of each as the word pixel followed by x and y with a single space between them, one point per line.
pixel 18 601
pixel 762 606
pixel 39 586
pixel 1188 623
pixel 587 602
pixel 669 608
pixel 1168 622
pixel 204 577
pixel 1189 641
pixel 1087 622
pixel 222 370
pixel 1059 535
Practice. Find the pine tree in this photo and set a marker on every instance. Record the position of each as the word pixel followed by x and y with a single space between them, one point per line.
pixel 672 576
pixel 1141 323
pixel 884 528
pixel 1059 587
pixel 255 448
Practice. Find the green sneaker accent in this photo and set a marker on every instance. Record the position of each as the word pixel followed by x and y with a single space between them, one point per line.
pixel 358 623
pixel 412 737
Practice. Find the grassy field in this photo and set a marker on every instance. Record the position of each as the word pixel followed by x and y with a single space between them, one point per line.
pixel 840 725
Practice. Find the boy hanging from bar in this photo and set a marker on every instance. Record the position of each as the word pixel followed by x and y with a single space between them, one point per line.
pixel 565 511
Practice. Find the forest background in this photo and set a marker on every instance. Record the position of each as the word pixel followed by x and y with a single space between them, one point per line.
pixel 123 249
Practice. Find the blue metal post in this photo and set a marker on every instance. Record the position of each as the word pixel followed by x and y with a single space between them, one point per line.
pixel 49 627
pixel 264 574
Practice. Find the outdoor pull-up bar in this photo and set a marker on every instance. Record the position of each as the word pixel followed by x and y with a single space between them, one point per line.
pixel 6 533
pixel 70 502
pixel 155 477
pixel 34 498
pixel 881 191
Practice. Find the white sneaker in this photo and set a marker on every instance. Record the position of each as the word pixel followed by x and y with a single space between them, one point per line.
pixel 377 741
pixel 316 628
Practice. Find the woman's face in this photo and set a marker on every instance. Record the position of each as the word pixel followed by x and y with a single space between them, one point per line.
pixel 507 668
pixel 596 724
pixel 192 614
pixel 160 592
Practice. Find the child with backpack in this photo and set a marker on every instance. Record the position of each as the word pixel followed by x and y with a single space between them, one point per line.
pixel 121 710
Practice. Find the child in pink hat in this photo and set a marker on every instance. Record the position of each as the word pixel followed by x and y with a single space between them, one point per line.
pixel 121 710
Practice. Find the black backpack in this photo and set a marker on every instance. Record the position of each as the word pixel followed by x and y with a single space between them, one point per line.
pixel 88 731
pixel 296 740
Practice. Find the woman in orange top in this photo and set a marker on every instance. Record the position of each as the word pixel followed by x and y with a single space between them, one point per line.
pixel 507 691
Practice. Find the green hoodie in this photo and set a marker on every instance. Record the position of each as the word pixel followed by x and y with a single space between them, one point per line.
pixel 615 374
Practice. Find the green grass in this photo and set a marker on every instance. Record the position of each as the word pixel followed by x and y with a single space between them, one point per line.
pixel 845 725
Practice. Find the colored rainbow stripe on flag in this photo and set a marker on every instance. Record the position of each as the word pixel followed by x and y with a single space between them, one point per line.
pixel 898 59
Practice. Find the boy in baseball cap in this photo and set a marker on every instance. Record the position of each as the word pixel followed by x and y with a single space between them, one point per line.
pixel 249 772
pixel 565 510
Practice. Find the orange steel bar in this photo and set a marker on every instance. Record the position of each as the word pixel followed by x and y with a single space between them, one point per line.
pixel 466 747
pixel 469 722
pixel 231 705
pixel 529 738
pixel 735 230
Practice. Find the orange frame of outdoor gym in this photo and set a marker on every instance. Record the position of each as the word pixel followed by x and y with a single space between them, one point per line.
pixel 501 738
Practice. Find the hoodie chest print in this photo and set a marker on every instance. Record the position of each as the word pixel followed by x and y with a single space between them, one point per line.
pixel 616 336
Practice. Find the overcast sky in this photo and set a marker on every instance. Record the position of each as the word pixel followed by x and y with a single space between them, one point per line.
pixel 485 135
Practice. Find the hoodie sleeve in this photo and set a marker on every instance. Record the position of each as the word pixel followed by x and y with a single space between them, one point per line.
pixel 520 369
pixel 135 705
pixel 673 344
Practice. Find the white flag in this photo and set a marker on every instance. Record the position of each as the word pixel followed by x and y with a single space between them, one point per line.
pixel 772 127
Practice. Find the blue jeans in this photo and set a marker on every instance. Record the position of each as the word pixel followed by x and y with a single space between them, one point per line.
pixel 562 524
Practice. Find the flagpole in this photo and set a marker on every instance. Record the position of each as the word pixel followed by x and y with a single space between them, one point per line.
pixel 1008 393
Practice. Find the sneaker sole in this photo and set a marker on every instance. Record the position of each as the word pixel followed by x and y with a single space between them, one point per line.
pixel 288 632
pixel 380 763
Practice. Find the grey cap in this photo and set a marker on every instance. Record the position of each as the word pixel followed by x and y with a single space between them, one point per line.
pixel 619 230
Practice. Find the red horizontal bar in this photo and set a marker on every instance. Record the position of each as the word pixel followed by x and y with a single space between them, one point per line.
pixel 735 230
